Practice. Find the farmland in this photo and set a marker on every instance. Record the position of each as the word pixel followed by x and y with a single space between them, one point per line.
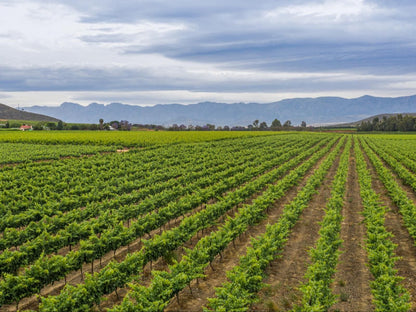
pixel 214 221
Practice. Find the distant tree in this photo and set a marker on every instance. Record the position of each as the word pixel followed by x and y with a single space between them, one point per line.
pixel 125 125
pixel 115 124
pixel 303 124
pixel 249 127
pixel 101 123
pixel 276 124
pixel 7 124
pixel 263 126
pixel 210 127
pixel 51 125
pixel 393 123
pixel 60 125
pixel 174 127
pixel 256 123
pixel 84 126
pixel 287 124
pixel 37 126
pixel 226 128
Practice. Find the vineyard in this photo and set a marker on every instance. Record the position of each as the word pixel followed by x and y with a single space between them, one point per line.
pixel 207 221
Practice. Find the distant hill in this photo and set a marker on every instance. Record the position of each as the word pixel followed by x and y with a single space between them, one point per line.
pixel 315 111
pixel 379 116
pixel 7 112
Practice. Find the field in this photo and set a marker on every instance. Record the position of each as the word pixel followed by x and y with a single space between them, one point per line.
pixel 123 139
pixel 214 221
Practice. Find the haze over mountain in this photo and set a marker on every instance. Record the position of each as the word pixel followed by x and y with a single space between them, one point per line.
pixel 150 52
pixel 7 112
pixel 322 110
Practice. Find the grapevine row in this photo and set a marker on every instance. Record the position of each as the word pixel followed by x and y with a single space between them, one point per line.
pixel 46 198
pixel 194 262
pixel 10 261
pixel 246 278
pixel 116 275
pixel 127 138
pixel 406 206
pixel 112 168
pixel 317 294
pixel 20 152
pixel 402 154
pixel 151 187
pixel 388 293
pixel 408 177
pixel 95 247
pixel 119 171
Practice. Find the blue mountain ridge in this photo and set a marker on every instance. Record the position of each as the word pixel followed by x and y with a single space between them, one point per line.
pixel 321 110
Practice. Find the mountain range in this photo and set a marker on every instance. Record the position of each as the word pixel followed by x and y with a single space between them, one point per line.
pixel 7 113
pixel 315 111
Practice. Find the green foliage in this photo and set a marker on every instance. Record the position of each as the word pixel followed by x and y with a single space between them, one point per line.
pixel 171 239
pixel 246 278
pixel 121 138
pixel 389 294
pixel 317 294
pixel 393 123
pixel 28 152
pixel 45 209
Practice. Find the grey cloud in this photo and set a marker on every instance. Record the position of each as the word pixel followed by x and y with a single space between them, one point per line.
pixel 79 79
pixel 377 44
pixel 306 56
pixel 104 38
pixel 89 79
pixel 236 34
pixel 96 11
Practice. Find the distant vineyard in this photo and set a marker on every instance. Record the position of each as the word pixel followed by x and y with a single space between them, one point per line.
pixel 27 152
pixel 207 221
pixel 124 138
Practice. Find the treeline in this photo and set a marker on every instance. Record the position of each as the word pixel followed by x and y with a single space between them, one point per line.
pixel 125 125
pixel 393 123
pixel 276 125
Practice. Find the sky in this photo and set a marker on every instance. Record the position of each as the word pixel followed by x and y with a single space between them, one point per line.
pixel 150 52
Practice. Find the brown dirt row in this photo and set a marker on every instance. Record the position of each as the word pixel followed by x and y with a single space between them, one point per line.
pixel 394 223
pixel 161 264
pixel 230 257
pixel 287 272
pixel 408 189
pixel 75 278
pixel 351 281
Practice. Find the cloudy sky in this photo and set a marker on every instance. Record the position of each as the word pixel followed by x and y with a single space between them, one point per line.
pixel 186 51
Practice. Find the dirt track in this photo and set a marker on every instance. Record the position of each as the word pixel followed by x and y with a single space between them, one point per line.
pixel 351 281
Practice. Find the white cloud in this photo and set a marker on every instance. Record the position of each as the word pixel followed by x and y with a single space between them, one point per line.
pixel 164 51
pixel 327 10
pixel 51 35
